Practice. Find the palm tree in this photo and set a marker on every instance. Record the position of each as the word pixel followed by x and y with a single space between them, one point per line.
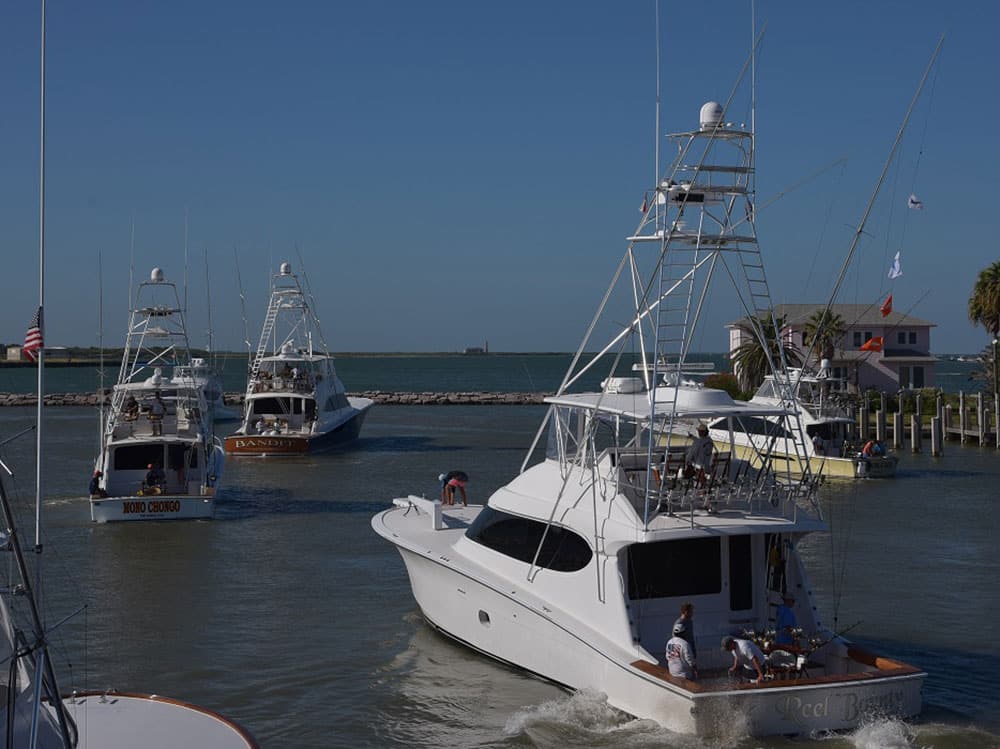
pixel 751 358
pixel 822 331
pixel 984 308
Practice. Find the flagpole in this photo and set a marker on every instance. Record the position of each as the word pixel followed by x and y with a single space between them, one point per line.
pixel 39 473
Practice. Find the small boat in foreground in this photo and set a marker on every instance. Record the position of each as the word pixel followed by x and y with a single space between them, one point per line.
pixel 295 403
pixel 159 458
pixel 577 568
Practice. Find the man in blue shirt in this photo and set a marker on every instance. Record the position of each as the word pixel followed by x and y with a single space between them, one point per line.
pixel 785 622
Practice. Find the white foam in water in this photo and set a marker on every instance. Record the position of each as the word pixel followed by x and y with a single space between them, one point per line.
pixel 586 719
pixel 884 733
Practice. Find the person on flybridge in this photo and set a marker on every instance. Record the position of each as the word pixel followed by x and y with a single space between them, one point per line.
pixel 698 459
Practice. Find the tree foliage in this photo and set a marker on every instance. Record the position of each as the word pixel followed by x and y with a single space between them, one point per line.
pixel 822 331
pixel 984 309
pixel 984 304
pixel 751 358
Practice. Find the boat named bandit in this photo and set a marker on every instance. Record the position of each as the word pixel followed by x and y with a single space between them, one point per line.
pixel 295 402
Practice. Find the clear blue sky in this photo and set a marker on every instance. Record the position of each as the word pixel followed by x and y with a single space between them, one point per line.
pixel 459 171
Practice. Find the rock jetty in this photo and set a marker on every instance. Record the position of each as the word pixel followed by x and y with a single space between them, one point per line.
pixel 379 396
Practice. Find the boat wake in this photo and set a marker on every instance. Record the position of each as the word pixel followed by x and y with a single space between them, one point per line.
pixel 586 719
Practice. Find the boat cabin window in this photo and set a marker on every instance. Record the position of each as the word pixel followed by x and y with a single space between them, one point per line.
pixel 740 573
pixel 517 537
pixel 667 569
pixel 277 405
pixel 758 425
pixel 137 457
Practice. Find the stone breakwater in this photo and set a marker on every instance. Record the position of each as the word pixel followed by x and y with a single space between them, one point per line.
pixel 379 396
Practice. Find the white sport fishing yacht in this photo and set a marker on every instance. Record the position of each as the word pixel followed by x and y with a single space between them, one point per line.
pixel 159 458
pixel 577 568
pixel 295 402
pixel 207 377
pixel 824 442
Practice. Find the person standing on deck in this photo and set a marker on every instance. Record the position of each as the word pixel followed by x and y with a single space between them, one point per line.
pixel 680 654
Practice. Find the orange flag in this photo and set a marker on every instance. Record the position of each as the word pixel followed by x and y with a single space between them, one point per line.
pixel 886 307
pixel 872 344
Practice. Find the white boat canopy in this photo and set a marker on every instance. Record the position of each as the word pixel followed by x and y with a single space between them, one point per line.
pixel 701 403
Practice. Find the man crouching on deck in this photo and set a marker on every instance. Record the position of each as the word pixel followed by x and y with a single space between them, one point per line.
pixel 747 658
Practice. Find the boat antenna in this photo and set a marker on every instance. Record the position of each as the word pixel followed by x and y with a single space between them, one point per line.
pixel 39 472
pixel 44 663
pixel 131 260
pixel 185 305
pixel 208 299
pixel 656 134
pixel 100 344
pixel 753 74
pixel 243 301
pixel 878 186
pixel 312 304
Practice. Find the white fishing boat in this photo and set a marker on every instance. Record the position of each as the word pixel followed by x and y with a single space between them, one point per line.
pixel 207 377
pixel 576 569
pixel 825 441
pixel 295 403
pixel 159 459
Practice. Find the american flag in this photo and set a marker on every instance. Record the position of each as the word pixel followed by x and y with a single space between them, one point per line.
pixel 33 338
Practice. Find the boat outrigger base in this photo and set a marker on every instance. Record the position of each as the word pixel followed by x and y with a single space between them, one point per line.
pixel 153 507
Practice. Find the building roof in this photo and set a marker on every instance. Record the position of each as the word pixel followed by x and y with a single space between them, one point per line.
pixel 854 315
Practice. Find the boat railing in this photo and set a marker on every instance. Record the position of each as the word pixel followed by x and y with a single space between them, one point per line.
pixel 674 491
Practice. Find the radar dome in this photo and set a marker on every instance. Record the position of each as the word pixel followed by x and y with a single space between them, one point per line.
pixel 711 115
pixel 286 269
pixel 156 275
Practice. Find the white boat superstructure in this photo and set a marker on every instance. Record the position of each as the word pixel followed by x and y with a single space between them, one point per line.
pixel 159 458
pixel 206 376
pixel 295 402
pixel 826 441
pixel 576 570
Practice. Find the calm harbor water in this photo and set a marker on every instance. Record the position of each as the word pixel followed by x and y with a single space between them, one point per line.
pixel 289 615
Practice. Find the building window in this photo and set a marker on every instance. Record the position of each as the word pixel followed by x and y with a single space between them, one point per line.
pixel 918 377
pixel 904 377
pixel 913 338
pixel 857 339
pixel 868 335
pixel 901 337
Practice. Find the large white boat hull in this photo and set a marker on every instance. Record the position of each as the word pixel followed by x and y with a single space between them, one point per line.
pixel 506 626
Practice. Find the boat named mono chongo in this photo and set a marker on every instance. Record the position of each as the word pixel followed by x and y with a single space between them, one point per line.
pixel 576 569
pixel 295 402
pixel 159 457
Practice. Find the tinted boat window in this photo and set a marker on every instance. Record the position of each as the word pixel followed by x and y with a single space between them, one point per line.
pixel 137 457
pixel 517 537
pixel 666 569
pixel 740 573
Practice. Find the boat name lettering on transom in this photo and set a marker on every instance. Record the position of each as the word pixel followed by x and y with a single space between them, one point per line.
pixel 794 708
pixel 159 505
pixel 888 703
